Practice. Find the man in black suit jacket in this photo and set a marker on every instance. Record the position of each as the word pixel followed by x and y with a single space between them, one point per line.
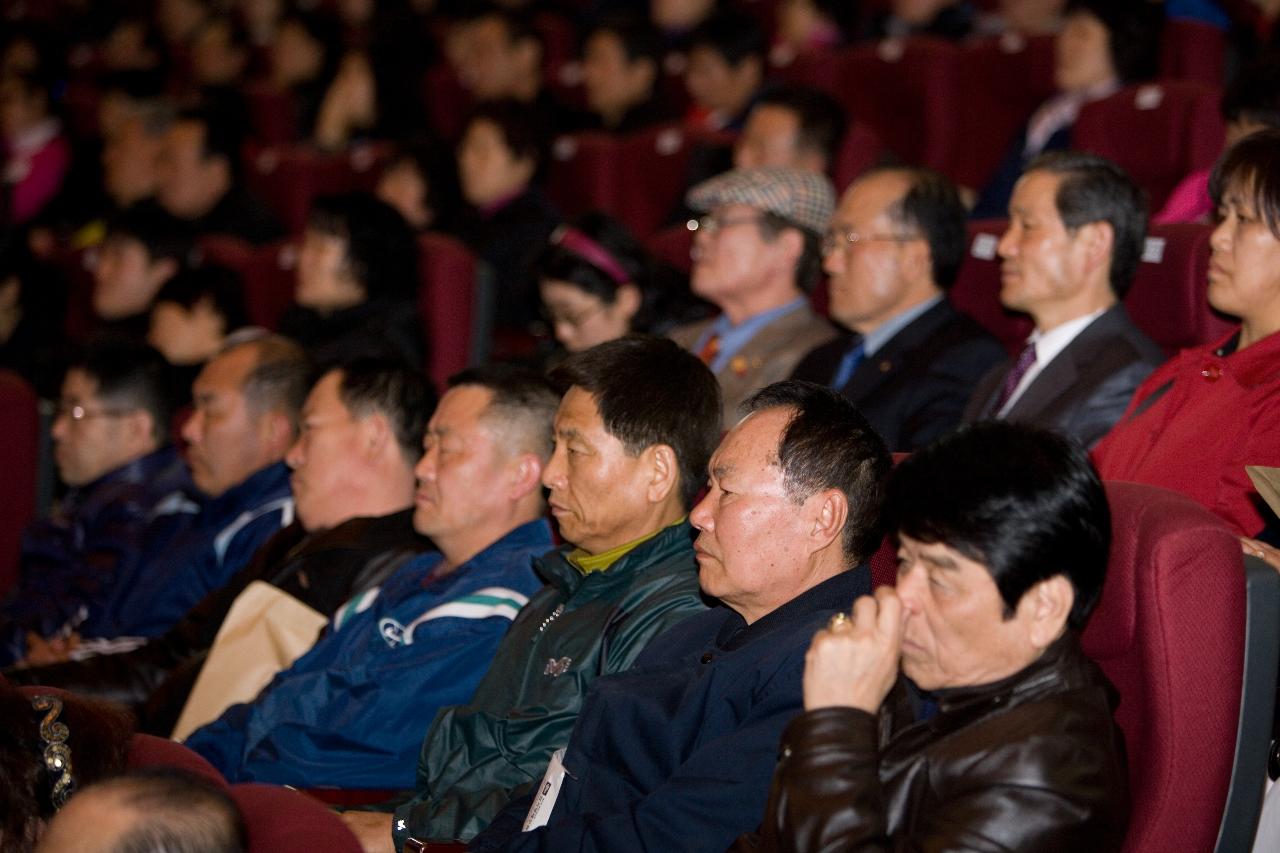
pixel 894 246
pixel 1076 228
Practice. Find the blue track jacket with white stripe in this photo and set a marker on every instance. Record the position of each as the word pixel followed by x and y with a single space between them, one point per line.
pixel 352 711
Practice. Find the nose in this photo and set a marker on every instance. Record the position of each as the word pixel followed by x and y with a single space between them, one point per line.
pixel 553 476
pixel 909 586
pixel 1220 239
pixel 192 431
pixel 701 516
pixel 425 470
pixel 1007 247
pixel 59 427
pixel 296 455
pixel 833 261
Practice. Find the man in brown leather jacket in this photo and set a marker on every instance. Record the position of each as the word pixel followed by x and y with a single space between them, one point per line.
pixel 998 734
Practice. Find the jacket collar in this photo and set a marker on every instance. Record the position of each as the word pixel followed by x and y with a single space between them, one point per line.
pixel 834 594
pixel 144 468
pixel 1251 366
pixel 1061 666
pixel 558 571
pixel 263 485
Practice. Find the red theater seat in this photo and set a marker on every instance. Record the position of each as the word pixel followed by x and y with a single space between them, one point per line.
pixel 860 149
pixel 1193 50
pixel 1170 633
pixel 267 273
pixel 446 301
pixel 1169 299
pixel 272 114
pixel 280 819
pixel 582 173
pixel 999 84
pixel 672 245
pixel 1157 132
pixel 150 751
pixel 287 177
pixel 977 289
pixel 19 455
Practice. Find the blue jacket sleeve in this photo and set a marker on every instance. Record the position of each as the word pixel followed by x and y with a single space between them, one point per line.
pixel 358 725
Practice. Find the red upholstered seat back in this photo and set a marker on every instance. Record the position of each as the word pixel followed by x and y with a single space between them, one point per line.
pixel 977 289
pixel 288 177
pixel 446 302
pixel 19 455
pixel 1157 132
pixel 1169 299
pixel 151 751
pixel 267 273
pixel 1193 50
pixel 1169 633
pixel 279 819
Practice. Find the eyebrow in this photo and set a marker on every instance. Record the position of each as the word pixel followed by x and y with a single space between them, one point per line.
pixel 941 562
pixel 719 472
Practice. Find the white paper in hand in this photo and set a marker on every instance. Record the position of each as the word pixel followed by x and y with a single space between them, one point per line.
pixel 548 790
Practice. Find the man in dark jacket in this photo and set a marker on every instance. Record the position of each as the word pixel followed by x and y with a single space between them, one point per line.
pixel 126 482
pixel 354 485
pixel 999 734
pixel 676 753
pixel 632 438
pixel 894 247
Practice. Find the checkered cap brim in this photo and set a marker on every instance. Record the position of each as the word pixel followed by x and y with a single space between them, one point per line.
pixel 800 197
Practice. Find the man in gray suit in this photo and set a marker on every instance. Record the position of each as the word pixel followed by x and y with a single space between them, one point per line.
pixel 1076 228
pixel 756 256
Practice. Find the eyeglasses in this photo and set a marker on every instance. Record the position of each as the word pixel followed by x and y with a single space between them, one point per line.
pixel 711 223
pixel 79 413
pixel 833 240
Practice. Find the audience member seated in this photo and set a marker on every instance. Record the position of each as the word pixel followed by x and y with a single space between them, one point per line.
pixel 368 99
pixel 131 148
pixel 1075 238
pixel 948 19
pixel 246 402
pixel 809 26
pixel 191 317
pixel 357 280
pixel 219 66
pixel 999 732
pixel 353 482
pixel 726 71
pixel 143 249
pixel 52 744
pixel 1200 419
pixel 33 298
pixel 598 283
pixel 305 53
pixel 632 438
pixel 1251 103
pixel 756 256
pixel 1103 45
pixel 792 126
pixel 36 153
pixel 351 712
pixel 676 19
pixel 148 811
pixel 197 181
pixel 676 753
pixel 498 158
pixel 1022 17
pixel 621 64
pixel 126 482
pixel 498 55
pixel 895 245
pixel 421 182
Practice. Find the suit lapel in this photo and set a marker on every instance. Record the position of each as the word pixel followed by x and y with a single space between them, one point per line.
pixel 1058 379
pixel 875 370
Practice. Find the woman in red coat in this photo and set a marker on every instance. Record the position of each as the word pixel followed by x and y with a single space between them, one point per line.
pixel 1197 421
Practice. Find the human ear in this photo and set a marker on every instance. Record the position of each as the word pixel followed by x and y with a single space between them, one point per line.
pixel 627 300
pixel 830 510
pixel 525 476
pixel 1047 606
pixel 664 472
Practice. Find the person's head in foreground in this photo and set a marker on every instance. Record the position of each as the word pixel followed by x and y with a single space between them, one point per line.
pixel 51 744
pixel 359 437
pixel 114 408
pixel 635 428
pixel 153 811
pixel 1244 270
pixel 793 498
pixel 246 403
pixel 484 453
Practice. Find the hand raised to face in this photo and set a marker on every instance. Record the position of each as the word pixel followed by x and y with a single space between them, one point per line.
pixel 854 662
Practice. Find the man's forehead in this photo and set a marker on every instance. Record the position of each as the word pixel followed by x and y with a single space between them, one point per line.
pixel 1036 190
pixel 227 372
pixel 460 410
pixel 873 195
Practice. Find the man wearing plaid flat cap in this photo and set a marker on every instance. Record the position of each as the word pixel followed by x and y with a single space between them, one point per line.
pixel 757 254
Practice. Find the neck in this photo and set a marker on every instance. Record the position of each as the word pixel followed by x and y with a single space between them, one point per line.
pixel 656 518
pixel 741 308
pixel 916 296
pixel 1252 331
pixel 458 549
pixel 1051 317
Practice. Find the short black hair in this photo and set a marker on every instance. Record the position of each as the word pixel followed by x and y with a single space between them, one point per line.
pixel 1133 33
pixel 820 117
pixel 217 286
pixel 1252 166
pixel 162 235
pixel 221 138
pixel 522 129
pixel 522 400
pixel 130 374
pixel 177 811
pixel 933 207
pixel 1025 502
pixel 392 389
pixel 556 261
pixel 1254 93
pixel 640 39
pixel 651 391
pixel 381 248
pixel 828 444
pixel 1094 189
pixel 809 264
pixel 732 35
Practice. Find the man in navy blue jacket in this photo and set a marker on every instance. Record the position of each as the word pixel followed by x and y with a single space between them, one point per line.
pixel 352 710
pixel 677 753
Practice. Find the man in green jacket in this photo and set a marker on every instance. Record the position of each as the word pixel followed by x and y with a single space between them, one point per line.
pixel 638 422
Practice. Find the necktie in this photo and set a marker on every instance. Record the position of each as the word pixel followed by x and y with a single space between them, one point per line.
pixel 1026 358
pixel 710 349
pixel 848 364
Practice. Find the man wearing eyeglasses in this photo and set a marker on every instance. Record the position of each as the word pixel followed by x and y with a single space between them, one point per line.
pixel 111 447
pixel 893 248
pixel 756 257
